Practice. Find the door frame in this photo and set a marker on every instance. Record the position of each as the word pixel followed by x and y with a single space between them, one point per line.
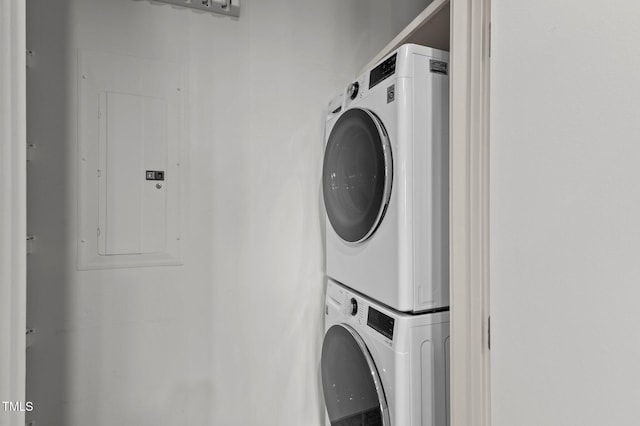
pixel 469 221
pixel 13 218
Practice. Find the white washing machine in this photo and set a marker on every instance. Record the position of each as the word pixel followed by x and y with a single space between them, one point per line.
pixel 386 181
pixel 380 367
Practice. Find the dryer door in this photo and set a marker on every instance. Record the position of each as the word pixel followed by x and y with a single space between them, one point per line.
pixel 357 174
pixel 352 388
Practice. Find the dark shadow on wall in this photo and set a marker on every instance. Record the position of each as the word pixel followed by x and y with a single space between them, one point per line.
pixel 50 175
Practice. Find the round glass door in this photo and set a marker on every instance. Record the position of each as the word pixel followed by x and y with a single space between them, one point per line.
pixel 352 388
pixel 356 175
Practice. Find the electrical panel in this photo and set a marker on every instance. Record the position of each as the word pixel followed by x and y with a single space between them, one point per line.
pixel 129 132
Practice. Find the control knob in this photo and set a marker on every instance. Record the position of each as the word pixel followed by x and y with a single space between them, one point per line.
pixel 352 90
pixel 354 306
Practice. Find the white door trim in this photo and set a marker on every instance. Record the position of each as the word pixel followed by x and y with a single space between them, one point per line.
pixel 470 44
pixel 13 228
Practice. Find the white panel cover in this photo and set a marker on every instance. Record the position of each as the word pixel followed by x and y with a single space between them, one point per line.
pixel 154 224
pixel 120 161
pixel 129 122
pixel 132 210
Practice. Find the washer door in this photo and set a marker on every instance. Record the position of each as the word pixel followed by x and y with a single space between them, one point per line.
pixel 357 174
pixel 352 388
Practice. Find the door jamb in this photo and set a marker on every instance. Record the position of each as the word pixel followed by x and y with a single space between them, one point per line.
pixel 469 214
pixel 13 192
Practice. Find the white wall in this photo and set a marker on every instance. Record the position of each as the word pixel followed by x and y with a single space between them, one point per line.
pixel 233 336
pixel 565 209
pixel 13 204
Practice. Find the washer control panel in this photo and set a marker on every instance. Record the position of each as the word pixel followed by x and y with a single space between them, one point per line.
pixel 354 309
pixel 380 322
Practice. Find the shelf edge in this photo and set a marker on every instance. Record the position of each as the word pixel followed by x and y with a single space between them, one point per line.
pixel 423 18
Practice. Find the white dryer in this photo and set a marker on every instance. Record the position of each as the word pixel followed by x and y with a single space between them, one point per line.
pixel 380 367
pixel 386 181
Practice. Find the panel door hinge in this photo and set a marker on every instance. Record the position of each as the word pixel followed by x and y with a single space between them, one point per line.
pixel 489 332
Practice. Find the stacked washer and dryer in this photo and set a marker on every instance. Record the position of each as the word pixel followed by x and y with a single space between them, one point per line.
pixel 385 355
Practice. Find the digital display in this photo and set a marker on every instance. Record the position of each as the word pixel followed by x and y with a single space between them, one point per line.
pixel 381 323
pixel 382 71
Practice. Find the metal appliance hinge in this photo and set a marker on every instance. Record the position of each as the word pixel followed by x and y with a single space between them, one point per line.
pixel 30 243
pixel 30 337
pixel 30 58
pixel 225 7
pixel 490 37
pixel 31 147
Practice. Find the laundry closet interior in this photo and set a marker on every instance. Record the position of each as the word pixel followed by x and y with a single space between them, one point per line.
pixel 198 296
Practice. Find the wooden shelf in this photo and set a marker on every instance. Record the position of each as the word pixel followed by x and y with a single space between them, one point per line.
pixel 429 28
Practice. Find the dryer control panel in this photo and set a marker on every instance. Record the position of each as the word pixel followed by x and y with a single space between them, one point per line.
pixel 382 71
